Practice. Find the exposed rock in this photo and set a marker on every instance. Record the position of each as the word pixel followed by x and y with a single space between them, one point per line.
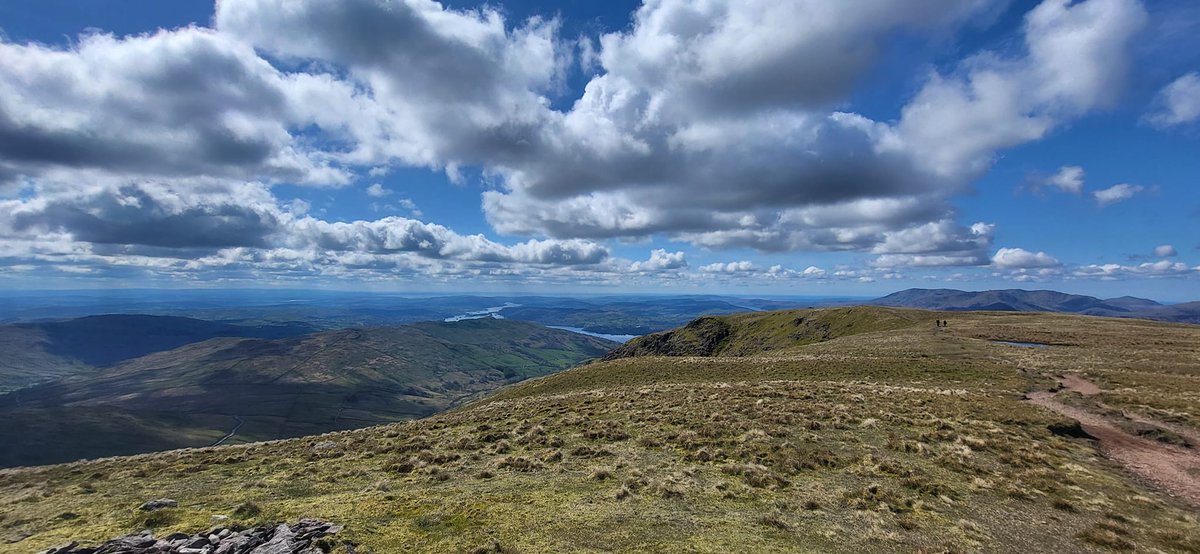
pixel 704 336
pixel 151 505
pixel 1069 428
pixel 280 539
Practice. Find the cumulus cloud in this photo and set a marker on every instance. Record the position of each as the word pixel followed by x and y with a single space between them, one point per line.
pixel 722 124
pixel 661 260
pixel 1178 103
pixel 1019 258
pixel 448 87
pixel 666 140
pixel 940 243
pixel 182 103
pixel 212 221
pixel 1116 193
pixel 1165 251
pixel 200 215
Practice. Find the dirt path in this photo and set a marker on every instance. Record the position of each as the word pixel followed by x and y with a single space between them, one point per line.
pixel 1171 469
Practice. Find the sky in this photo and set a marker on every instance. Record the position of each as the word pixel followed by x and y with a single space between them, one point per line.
pixel 724 146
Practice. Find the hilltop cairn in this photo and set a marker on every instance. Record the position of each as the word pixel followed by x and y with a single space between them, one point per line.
pixel 299 538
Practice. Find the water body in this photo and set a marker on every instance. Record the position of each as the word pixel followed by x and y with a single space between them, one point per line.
pixel 493 312
pixel 1023 344
pixel 617 338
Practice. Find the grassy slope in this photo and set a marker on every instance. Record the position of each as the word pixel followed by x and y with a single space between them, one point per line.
pixel 762 332
pixel 47 350
pixel 27 361
pixel 902 438
pixel 278 388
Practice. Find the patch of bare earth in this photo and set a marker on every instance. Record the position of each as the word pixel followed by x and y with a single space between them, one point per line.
pixel 1172 469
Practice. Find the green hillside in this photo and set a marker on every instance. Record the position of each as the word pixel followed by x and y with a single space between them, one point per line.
pixel 271 389
pixel 760 332
pixel 848 431
pixel 41 351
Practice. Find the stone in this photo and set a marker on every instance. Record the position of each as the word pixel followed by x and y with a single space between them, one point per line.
pixel 152 505
pixel 278 539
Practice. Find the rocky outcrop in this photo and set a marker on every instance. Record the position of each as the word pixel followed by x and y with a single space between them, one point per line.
pixel 702 337
pixel 299 538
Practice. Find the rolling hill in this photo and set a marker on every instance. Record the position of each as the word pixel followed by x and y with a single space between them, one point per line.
pixel 841 430
pixel 39 351
pixel 264 389
pixel 1016 300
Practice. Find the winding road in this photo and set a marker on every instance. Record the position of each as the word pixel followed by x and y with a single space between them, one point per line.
pixel 240 422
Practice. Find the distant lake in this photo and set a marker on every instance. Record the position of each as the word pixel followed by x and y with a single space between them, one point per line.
pixel 617 338
pixel 493 312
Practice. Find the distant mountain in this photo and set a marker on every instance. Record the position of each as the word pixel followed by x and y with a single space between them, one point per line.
pixel 269 389
pixel 1188 312
pixel 1132 303
pixel 1016 300
pixel 44 350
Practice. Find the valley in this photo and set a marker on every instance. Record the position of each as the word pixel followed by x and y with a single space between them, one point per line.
pixel 278 388
pixel 855 429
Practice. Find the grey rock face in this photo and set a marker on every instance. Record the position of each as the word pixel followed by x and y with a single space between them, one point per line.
pixel 298 538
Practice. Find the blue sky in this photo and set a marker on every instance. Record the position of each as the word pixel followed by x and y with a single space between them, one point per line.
pixel 738 147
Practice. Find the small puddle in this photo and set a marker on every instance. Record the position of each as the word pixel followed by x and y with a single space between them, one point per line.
pixel 1022 344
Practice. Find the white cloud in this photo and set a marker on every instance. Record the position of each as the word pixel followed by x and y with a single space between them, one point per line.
pixel 376 190
pixel 184 103
pixel 1165 251
pixel 719 123
pixel 1161 268
pixel 672 138
pixel 1178 103
pixel 1076 61
pixel 1019 258
pixel 728 267
pixel 448 87
pixel 940 243
pixel 1116 193
pixel 195 220
pixel 1068 179
pixel 661 260
pixel 925 260
pixel 409 205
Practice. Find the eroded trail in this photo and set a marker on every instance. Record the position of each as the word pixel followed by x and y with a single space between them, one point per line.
pixel 1172 469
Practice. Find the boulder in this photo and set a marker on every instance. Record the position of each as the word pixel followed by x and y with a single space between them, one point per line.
pixel 152 505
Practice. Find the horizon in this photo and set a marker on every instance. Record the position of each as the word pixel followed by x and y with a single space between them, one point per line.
pixel 593 149
pixel 499 294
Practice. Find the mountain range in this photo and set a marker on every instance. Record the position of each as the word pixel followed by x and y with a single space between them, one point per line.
pixel 1016 300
